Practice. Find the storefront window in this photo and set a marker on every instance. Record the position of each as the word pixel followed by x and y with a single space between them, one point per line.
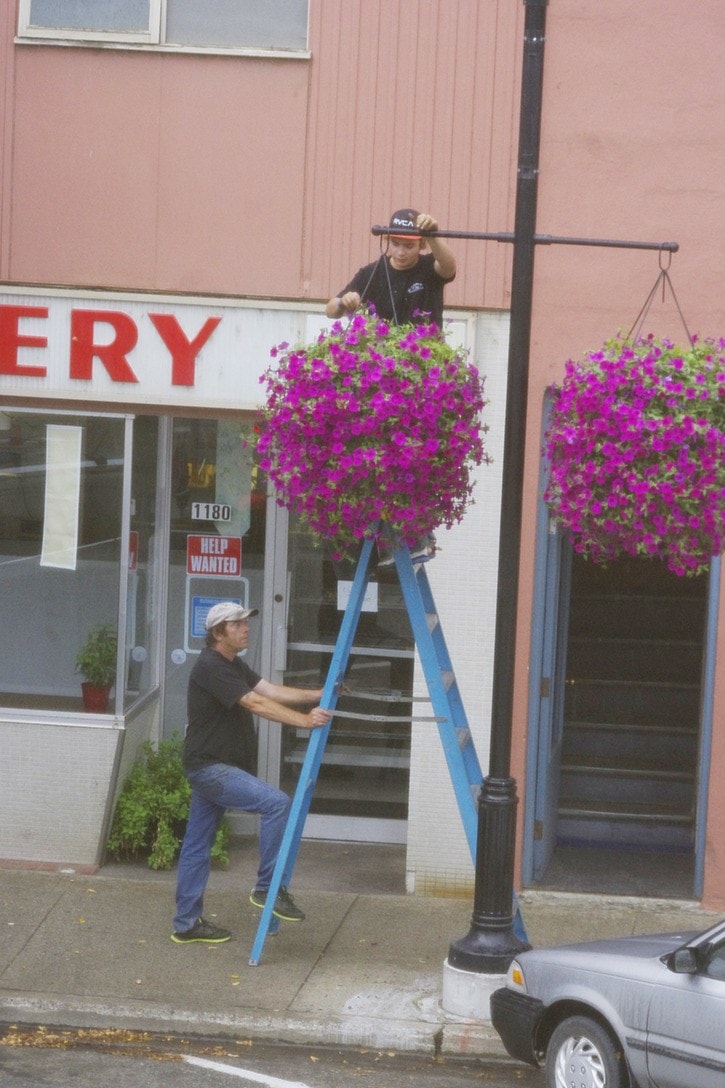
pixel 63 548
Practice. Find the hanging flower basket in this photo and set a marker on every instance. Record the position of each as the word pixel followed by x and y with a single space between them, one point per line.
pixel 636 445
pixel 371 423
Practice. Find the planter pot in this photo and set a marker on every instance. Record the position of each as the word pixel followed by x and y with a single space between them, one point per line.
pixel 95 697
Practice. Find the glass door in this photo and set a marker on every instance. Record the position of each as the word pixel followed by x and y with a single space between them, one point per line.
pixel 216 544
pixel 362 791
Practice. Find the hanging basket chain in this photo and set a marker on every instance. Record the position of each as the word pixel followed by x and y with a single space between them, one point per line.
pixel 665 280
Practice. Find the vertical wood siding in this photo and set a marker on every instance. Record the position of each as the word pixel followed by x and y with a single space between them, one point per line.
pixel 411 103
pixel 257 176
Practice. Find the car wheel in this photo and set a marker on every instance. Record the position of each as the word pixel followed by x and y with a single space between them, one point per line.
pixel 582 1054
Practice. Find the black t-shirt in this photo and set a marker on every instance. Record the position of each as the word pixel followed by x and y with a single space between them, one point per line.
pixel 405 293
pixel 220 730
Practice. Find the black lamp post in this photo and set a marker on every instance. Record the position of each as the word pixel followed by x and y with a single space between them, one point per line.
pixel 491 942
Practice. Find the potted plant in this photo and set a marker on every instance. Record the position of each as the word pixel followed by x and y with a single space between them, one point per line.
pixel 636 448
pixel 96 661
pixel 153 807
pixel 373 429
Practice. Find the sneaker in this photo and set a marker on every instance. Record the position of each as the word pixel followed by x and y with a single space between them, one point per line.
pixel 202 931
pixel 284 905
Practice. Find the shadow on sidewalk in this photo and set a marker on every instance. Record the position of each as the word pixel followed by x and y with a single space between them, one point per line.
pixel 347 868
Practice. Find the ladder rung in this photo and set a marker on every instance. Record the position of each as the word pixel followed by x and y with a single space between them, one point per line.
pixel 384 696
pixel 379 696
pixel 384 717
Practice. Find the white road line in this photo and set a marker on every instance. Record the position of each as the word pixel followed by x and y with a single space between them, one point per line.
pixel 244 1074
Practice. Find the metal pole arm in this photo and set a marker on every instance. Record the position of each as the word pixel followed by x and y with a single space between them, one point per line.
pixel 537 239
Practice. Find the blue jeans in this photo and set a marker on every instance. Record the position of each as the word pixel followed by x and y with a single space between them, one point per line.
pixel 214 789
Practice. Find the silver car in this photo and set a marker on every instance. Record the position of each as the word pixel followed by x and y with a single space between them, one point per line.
pixel 632 1012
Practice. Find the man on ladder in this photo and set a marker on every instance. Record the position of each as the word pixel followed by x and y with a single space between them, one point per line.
pixel 404 285
pixel 405 281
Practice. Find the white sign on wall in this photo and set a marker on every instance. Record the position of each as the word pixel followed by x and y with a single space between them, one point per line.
pixel 140 350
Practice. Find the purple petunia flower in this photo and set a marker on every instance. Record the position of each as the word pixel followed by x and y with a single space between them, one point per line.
pixel 623 420
pixel 372 423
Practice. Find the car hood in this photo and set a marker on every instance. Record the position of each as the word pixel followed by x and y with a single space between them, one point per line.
pixel 636 958
pixel 648 946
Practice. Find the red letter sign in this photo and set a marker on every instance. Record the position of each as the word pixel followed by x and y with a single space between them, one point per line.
pixel 11 339
pixel 113 355
pixel 183 351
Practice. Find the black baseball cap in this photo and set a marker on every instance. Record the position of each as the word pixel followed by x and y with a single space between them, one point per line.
pixel 405 219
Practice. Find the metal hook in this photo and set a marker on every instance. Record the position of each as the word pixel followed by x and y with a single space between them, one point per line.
pixel 665 267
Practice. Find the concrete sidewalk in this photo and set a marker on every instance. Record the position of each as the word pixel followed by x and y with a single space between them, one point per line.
pixel 364 969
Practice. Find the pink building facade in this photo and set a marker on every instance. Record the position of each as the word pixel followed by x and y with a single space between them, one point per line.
pixel 181 195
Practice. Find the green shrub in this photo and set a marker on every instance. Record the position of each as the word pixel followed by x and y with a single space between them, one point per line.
pixel 153 808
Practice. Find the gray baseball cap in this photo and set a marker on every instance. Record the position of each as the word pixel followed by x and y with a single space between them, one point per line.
pixel 226 611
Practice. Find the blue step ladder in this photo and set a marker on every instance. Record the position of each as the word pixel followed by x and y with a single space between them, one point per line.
pixel 448 711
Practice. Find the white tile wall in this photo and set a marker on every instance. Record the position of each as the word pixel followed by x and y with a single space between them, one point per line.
pixel 56 781
pixel 463 579
pixel 54 784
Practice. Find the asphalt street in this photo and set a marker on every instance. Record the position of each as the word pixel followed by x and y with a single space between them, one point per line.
pixel 42 1057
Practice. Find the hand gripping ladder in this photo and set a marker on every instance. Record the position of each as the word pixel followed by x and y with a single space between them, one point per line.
pixel 449 715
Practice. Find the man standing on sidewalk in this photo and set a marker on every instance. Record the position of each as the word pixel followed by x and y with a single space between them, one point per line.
pixel 219 754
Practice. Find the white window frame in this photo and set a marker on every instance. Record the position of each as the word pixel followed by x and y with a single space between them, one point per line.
pixel 153 38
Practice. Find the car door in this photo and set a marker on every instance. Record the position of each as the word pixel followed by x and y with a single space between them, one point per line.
pixel 685 1038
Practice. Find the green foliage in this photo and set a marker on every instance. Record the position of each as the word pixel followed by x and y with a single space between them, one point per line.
pixel 153 808
pixel 96 659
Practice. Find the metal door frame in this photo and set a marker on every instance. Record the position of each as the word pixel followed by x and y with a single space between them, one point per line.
pixel 549 625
